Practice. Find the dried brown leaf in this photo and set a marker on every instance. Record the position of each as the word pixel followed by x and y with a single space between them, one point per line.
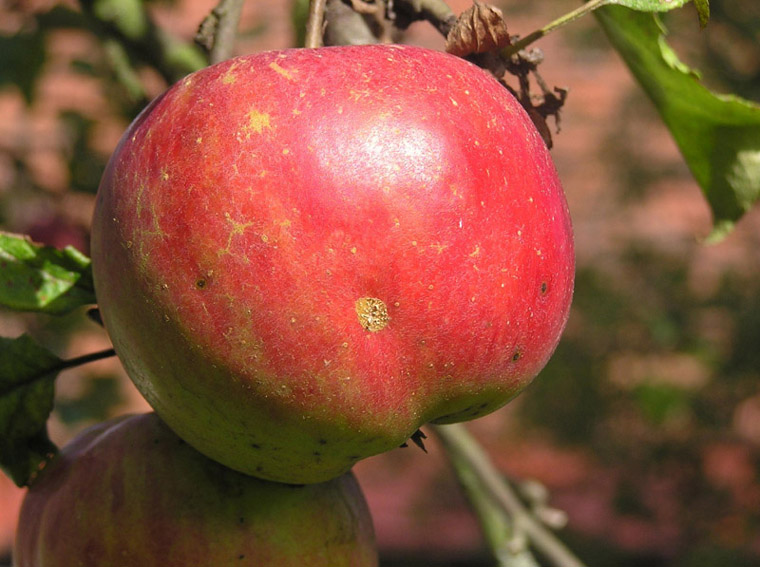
pixel 479 29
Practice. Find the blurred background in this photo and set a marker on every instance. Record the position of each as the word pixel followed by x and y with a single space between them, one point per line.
pixel 645 425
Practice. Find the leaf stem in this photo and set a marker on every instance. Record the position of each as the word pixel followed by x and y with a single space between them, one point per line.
pixel 480 477
pixel 59 366
pixel 85 358
pixel 571 16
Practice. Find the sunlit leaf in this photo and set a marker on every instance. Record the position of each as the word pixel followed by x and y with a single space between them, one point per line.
pixel 34 277
pixel 650 5
pixel 27 375
pixel 718 135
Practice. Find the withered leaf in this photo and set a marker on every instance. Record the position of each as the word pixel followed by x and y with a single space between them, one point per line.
pixel 479 29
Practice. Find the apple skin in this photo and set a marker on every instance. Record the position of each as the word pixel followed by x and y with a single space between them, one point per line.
pixel 130 493
pixel 303 256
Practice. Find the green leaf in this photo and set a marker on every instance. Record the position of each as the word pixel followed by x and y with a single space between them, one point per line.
pixel 27 375
pixel 718 135
pixel 650 5
pixel 34 277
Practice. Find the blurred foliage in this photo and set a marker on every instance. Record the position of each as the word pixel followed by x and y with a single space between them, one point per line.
pixel 653 314
pixel 731 55
pixel 652 378
pixel 93 404
pixel 21 59
pixel 717 135
pixel 651 374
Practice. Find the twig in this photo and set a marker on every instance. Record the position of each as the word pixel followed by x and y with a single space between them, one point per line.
pixel 218 30
pixel 582 10
pixel 474 468
pixel 436 12
pixel 345 26
pixel 315 25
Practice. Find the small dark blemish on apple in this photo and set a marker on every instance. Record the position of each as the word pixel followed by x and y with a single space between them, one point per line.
pixel 516 356
pixel 200 283
pixel 241 556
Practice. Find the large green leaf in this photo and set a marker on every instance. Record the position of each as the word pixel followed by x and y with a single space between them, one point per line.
pixel 27 375
pixel 718 135
pixel 650 5
pixel 702 6
pixel 34 277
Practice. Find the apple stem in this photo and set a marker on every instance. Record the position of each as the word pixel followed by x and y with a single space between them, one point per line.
pixel 571 16
pixel 315 25
pixel 507 524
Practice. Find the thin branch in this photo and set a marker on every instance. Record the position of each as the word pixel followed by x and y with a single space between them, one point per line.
pixel 582 10
pixel 436 12
pixel 315 25
pixel 218 31
pixel 345 26
pixel 474 467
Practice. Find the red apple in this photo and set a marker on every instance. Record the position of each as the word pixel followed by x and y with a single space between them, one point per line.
pixel 303 256
pixel 130 493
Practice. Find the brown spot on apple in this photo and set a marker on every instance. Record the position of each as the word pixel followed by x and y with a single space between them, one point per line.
pixel 372 313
